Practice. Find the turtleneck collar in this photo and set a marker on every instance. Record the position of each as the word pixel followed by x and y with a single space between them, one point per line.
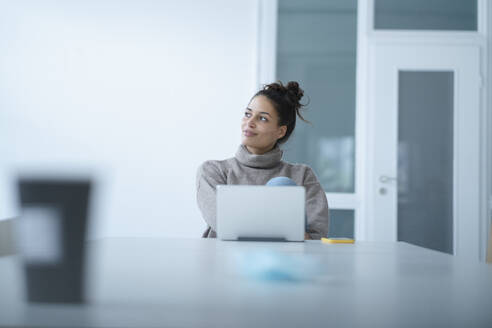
pixel 267 160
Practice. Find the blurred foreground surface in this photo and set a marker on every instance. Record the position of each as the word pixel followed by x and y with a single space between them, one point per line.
pixel 137 282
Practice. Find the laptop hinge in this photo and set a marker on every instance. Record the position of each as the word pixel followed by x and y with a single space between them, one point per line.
pixel 261 239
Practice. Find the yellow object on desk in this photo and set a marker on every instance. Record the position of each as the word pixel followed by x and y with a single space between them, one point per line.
pixel 337 240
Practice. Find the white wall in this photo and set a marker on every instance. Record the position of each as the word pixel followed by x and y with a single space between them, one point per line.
pixel 135 93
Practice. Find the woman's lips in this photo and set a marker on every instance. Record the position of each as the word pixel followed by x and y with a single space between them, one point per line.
pixel 248 133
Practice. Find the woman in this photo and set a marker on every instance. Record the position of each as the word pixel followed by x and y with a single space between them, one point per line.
pixel 268 121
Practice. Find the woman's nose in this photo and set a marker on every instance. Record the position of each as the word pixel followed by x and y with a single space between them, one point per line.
pixel 251 122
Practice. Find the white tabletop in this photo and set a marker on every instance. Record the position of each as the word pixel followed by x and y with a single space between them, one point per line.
pixel 141 282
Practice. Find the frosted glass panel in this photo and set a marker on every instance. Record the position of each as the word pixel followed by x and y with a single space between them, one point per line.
pixel 458 15
pixel 341 223
pixel 425 159
pixel 317 47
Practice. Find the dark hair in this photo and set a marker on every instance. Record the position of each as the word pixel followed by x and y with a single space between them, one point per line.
pixel 286 100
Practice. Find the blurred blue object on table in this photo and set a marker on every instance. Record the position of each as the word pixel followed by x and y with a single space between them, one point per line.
pixel 268 265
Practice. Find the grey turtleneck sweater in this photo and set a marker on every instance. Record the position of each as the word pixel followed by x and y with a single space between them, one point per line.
pixel 249 169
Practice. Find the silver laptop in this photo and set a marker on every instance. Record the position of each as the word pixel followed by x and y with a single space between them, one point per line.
pixel 263 213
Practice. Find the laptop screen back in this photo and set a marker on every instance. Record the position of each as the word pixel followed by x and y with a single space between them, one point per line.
pixel 247 212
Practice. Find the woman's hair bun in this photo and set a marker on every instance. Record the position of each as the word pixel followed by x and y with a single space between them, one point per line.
pixel 294 89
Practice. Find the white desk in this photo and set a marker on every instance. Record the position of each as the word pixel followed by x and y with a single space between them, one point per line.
pixel 194 283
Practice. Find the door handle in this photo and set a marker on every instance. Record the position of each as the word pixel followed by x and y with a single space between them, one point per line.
pixel 386 179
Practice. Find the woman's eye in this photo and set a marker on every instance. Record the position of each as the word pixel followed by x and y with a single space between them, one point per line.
pixel 247 114
pixel 263 118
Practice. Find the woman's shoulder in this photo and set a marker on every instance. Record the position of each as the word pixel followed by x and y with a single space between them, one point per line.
pixel 214 166
pixel 307 173
pixel 300 167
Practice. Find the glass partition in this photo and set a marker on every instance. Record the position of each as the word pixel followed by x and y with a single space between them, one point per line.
pixel 317 48
pixel 425 159
pixel 458 15
pixel 341 224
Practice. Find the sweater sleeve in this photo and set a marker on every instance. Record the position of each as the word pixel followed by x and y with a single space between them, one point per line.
pixel 209 175
pixel 316 206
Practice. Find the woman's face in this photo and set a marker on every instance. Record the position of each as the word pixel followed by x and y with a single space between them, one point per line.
pixel 260 129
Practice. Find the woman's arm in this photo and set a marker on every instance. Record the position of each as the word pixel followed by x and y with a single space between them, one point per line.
pixel 209 175
pixel 316 206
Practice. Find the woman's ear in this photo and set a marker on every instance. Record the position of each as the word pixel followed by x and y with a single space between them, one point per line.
pixel 282 131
